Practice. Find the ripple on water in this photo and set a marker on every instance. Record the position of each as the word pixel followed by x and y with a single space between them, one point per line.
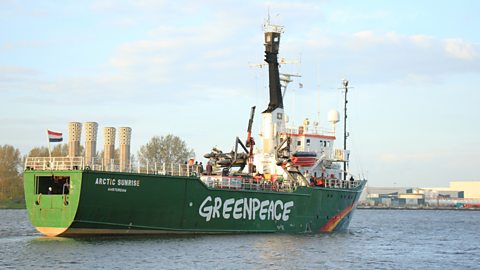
pixel 376 239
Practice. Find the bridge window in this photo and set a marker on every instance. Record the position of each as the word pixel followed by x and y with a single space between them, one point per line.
pixel 52 185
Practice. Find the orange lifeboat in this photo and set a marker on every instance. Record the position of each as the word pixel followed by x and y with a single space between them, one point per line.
pixel 304 159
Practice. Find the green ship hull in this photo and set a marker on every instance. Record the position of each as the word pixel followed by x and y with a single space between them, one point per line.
pixel 294 183
pixel 98 202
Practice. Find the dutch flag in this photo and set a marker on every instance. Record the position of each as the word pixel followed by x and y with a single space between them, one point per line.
pixel 54 136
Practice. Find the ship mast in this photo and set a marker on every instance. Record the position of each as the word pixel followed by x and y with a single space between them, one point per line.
pixel 345 133
pixel 273 122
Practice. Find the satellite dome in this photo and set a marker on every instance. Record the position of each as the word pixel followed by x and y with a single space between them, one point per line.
pixel 333 116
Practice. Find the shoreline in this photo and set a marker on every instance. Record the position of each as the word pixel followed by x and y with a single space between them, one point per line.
pixel 12 205
pixel 415 208
pixel 16 205
pixel 21 205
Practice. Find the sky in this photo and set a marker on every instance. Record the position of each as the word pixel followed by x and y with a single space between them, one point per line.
pixel 188 68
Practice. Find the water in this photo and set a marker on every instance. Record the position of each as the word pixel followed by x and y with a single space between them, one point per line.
pixel 377 239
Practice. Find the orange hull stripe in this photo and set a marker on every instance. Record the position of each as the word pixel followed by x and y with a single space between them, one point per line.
pixel 333 222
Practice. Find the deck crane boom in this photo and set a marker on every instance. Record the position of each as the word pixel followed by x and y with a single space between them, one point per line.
pixel 250 142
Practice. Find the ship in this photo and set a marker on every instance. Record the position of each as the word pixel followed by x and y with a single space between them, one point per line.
pixel 294 182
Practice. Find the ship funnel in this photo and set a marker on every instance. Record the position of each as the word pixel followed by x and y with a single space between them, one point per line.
pixel 124 136
pixel 90 142
pixel 108 147
pixel 74 135
pixel 272 45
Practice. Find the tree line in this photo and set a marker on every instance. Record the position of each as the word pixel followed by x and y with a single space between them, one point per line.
pixel 161 149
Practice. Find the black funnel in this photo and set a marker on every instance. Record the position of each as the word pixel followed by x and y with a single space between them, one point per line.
pixel 272 44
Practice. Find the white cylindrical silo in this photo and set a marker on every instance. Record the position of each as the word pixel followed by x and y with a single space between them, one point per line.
pixel 124 137
pixel 108 147
pixel 74 136
pixel 90 142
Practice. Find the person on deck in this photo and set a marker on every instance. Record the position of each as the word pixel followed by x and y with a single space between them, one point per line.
pixel 200 168
pixel 209 168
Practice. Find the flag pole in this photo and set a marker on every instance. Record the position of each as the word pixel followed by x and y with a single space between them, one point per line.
pixel 49 152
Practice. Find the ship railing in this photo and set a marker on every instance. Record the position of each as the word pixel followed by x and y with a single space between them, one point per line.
pixel 54 163
pixel 312 131
pixel 153 168
pixel 170 169
pixel 344 184
pixel 78 163
pixel 244 183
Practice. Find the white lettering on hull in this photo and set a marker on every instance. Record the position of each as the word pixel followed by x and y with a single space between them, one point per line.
pixel 246 208
pixel 117 185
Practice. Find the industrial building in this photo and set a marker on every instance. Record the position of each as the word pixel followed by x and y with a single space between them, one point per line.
pixel 460 194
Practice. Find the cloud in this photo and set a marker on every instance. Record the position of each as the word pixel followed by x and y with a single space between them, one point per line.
pixel 407 158
pixel 422 165
pixel 17 70
pixel 389 56
pixel 169 55
pixel 422 41
pixel 348 16
pixel 127 6
pixel 366 37
pixel 14 78
pixel 460 49
pixel 389 157
pixel 22 44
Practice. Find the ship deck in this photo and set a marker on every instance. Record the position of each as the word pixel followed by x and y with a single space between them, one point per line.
pixel 215 179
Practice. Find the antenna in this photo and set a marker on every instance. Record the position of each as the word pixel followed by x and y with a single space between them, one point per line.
pixel 286 78
pixel 282 61
pixel 345 87
pixel 318 104
pixel 268 27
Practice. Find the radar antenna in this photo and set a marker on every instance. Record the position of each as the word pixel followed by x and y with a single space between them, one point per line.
pixel 268 27
pixel 286 78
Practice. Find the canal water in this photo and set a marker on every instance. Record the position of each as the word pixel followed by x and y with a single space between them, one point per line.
pixel 377 239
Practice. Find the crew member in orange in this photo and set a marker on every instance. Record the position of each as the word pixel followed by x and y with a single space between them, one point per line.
pixel 319 182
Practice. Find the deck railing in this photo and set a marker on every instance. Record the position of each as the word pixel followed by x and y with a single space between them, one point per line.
pixel 215 180
pixel 54 163
pixel 335 183
pixel 245 183
pixel 78 163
